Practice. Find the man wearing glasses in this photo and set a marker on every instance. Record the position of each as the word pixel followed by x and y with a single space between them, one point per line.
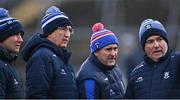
pixel 48 73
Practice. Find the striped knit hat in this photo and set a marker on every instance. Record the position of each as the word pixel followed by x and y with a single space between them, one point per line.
pixel 8 25
pixel 101 37
pixel 53 19
pixel 151 27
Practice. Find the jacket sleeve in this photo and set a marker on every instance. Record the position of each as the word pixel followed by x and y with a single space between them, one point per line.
pixel 37 77
pixel 2 84
pixel 89 89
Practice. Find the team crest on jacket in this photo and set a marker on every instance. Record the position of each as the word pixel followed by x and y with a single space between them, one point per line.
pixel 139 79
pixel 106 79
pixel 166 75
pixel 63 72
pixel 112 92
pixel 15 81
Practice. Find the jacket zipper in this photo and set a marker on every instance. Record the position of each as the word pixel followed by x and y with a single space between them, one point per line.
pixel 151 91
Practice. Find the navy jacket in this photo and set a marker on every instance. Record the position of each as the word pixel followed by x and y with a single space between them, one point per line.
pixel 158 80
pixel 48 72
pixel 106 83
pixel 10 86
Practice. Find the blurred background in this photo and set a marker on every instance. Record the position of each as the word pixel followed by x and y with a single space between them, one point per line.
pixel 123 17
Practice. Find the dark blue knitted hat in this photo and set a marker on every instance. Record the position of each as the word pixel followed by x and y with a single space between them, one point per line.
pixel 8 25
pixel 53 19
pixel 101 37
pixel 151 27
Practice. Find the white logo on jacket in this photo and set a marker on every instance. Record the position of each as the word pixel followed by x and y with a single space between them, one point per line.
pixel 15 81
pixel 54 55
pixel 111 92
pixel 166 75
pixel 106 79
pixel 139 79
pixel 63 72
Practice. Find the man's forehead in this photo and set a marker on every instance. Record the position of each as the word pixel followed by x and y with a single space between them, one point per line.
pixel 111 45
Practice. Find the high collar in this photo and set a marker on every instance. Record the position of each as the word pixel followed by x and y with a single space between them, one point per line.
pixel 96 61
pixel 62 53
pixel 6 56
pixel 38 41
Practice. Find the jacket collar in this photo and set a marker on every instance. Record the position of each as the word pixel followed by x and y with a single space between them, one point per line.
pixel 37 41
pixel 6 56
pixel 62 53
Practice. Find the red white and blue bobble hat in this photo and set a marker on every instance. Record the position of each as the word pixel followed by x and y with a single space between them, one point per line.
pixel 101 37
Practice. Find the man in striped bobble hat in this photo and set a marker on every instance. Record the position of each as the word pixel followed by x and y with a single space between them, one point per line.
pixel 11 38
pixel 99 76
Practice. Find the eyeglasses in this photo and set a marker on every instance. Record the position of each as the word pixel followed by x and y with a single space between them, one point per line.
pixel 66 28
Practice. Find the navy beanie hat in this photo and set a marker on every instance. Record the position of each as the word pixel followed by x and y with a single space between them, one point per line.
pixel 151 27
pixel 8 25
pixel 101 37
pixel 53 19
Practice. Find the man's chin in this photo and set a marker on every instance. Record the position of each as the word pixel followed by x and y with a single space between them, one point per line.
pixel 157 57
pixel 64 45
pixel 111 63
pixel 16 51
pixel 158 54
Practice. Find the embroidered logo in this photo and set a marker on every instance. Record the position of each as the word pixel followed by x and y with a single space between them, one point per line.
pixel 139 79
pixel 112 92
pixel 5 64
pixel 63 72
pixel 106 79
pixel 15 81
pixel 54 55
pixel 172 56
pixel 148 26
pixel 97 45
pixel 10 21
pixel 166 75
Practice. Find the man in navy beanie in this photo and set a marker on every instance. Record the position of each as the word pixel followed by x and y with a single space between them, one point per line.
pixel 48 73
pixel 99 77
pixel 11 32
pixel 158 76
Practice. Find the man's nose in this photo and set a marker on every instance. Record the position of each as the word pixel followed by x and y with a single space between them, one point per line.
pixel 156 44
pixel 20 39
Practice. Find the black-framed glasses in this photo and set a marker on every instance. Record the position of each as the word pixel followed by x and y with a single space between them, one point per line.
pixel 66 28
